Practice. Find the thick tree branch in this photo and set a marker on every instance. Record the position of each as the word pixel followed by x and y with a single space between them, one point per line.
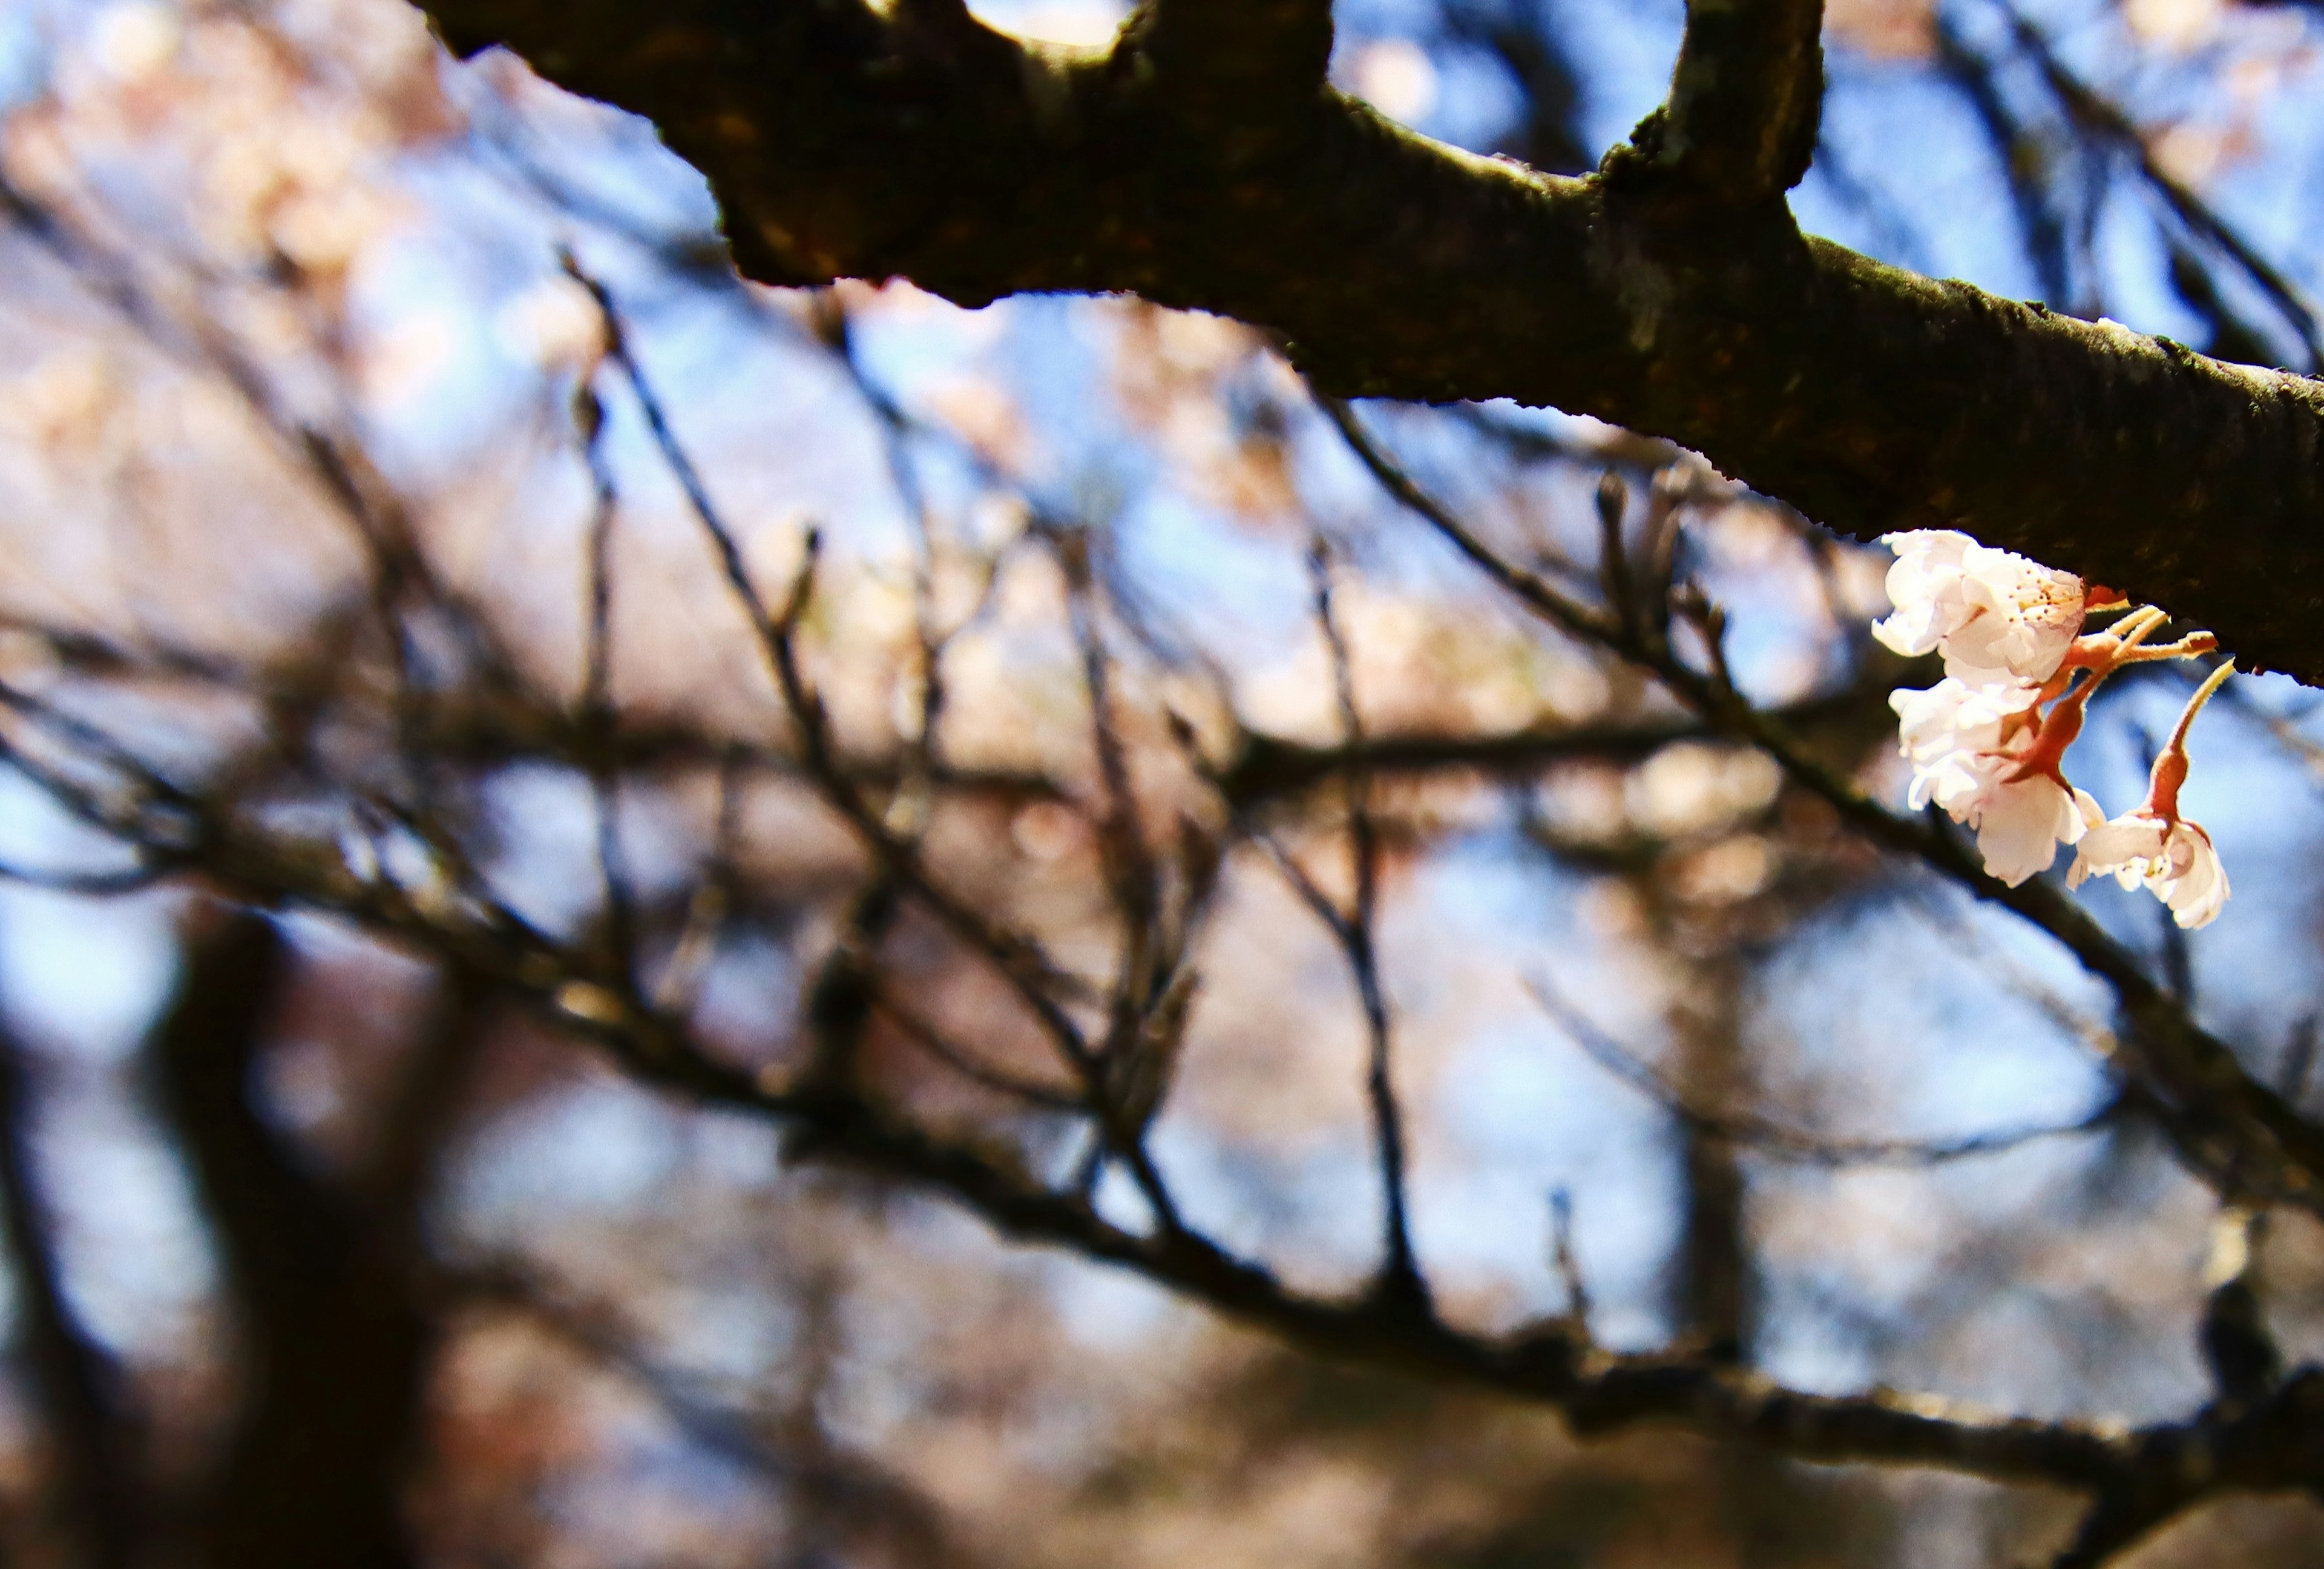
pixel 1244 61
pixel 1744 102
pixel 841 145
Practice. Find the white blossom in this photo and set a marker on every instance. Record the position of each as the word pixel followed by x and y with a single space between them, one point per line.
pixel 1994 615
pixel 2175 859
pixel 2020 822
pixel 1924 586
pixel 1955 716
pixel 1968 746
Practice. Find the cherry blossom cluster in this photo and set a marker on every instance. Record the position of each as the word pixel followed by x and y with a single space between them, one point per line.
pixel 1987 743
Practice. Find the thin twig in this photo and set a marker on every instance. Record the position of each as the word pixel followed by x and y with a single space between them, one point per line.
pixel 924 1034
pixel 924 745
pixel 1357 935
pixel 596 692
pixel 1568 1264
pixel 2096 115
pixel 1777 1141
pixel 91 884
pixel 1020 961
pixel 1131 877
pixel 707 908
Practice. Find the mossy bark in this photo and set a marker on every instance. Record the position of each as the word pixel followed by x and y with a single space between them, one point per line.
pixel 918 144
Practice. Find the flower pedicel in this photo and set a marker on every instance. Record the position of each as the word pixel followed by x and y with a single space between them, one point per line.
pixel 2153 844
pixel 1987 743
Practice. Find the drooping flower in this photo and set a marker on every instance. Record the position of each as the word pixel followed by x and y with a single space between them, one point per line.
pixel 1954 716
pixel 2176 861
pixel 1993 613
pixel 2152 843
pixel 1978 753
pixel 2021 817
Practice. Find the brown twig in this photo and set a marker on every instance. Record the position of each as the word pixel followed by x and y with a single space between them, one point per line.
pixel 1779 1142
pixel 1401 1277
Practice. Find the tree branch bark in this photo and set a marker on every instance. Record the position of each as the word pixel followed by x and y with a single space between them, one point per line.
pixel 1219 51
pixel 840 143
pixel 1745 97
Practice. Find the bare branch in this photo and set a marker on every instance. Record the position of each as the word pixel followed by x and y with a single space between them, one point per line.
pixel 2019 151
pixel 1036 981
pixel 1401 1277
pixel 401 577
pixel 917 1029
pixel 1131 876
pixel 596 716
pixel 1549 134
pixel 2238 1347
pixel 924 749
pixel 1778 1141
pixel 89 884
pixel 1034 976
pixel 2115 1524
pixel 1265 769
pixel 1601 1393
